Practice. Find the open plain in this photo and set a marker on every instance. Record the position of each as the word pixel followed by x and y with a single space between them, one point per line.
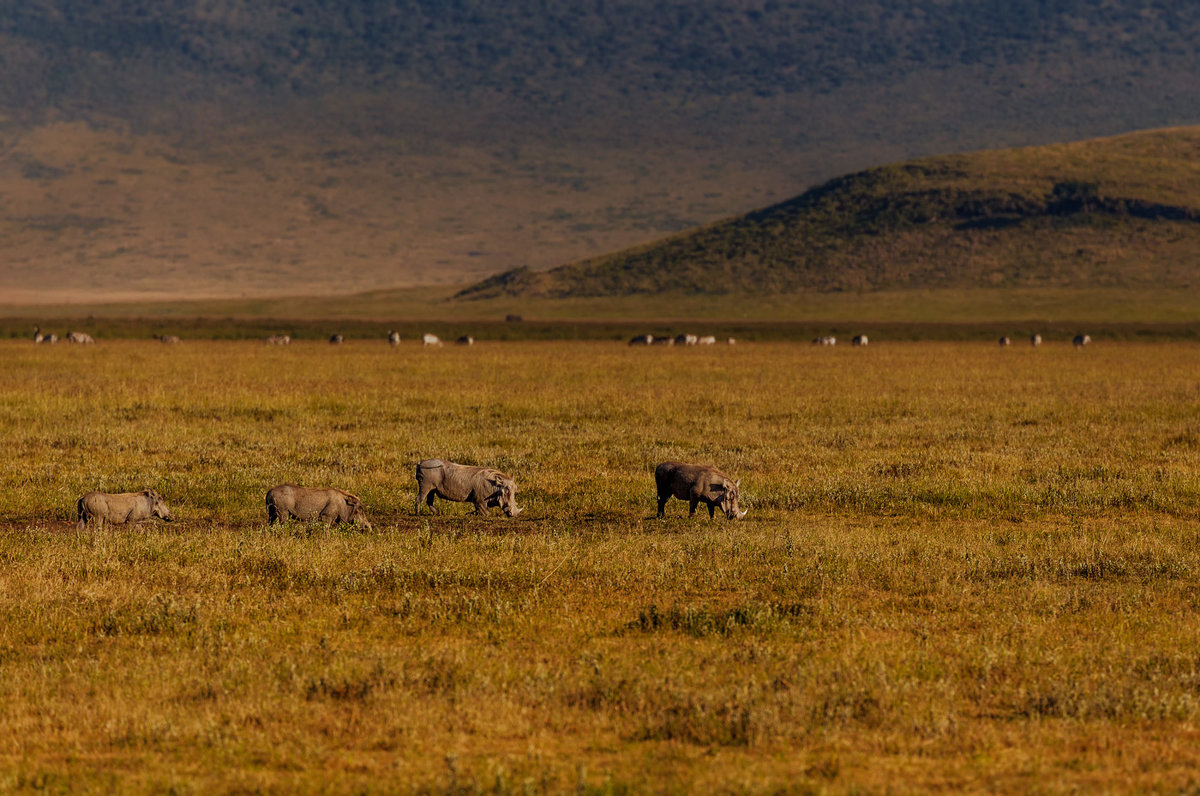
pixel 965 568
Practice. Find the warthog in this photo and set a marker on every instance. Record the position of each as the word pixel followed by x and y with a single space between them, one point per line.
pixel 466 339
pixel 860 339
pixel 430 339
pixel 279 339
pixel 486 487
pixel 643 339
pixel 167 338
pixel 393 338
pixel 101 508
pixel 336 339
pixel 1005 340
pixel 697 483
pixel 83 338
pixel 1035 340
pixel 1082 340
pixel 326 504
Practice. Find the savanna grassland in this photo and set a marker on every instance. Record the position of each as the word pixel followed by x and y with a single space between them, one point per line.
pixel 964 568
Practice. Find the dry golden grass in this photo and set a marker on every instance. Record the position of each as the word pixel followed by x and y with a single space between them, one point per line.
pixel 965 568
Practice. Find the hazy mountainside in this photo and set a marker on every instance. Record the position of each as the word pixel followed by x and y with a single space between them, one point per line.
pixel 60 52
pixel 1120 212
pixel 231 148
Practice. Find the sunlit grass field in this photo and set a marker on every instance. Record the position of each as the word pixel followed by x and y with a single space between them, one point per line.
pixel 964 568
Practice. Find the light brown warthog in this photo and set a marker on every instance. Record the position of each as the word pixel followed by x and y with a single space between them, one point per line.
pixel 101 507
pixel 483 486
pixel 697 483
pixel 326 504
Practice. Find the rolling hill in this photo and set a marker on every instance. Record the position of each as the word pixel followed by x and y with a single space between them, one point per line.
pixel 260 149
pixel 1119 212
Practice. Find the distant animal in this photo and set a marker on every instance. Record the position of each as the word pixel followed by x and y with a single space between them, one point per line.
pixel 279 339
pixel 643 339
pixel 485 487
pixel 1035 340
pixel 510 318
pixel 860 339
pixel 1081 340
pixel 430 339
pixel 329 505
pixel 663 341
pixel 99 508
pixel 39 338
pixel 731 341
pixel 825 340
pixel 697 483
pixel 466 339
pixel 1005 340
pixel 82 338
pixel 686 339
pixel 336 339
pixel 393 338
pixel 708 340
pixel 167 338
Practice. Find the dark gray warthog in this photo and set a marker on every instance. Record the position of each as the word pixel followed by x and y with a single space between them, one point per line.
pixel 483 486
pixel 101 508
pixel 326 504
pixel 697 483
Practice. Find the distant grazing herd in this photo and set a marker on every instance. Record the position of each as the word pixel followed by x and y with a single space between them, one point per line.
pixel 483 487
pixel 393 338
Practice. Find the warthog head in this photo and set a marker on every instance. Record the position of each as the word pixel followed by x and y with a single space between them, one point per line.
pixel 158 506
pixel 728 491
pixel 358 514
pixel 505 496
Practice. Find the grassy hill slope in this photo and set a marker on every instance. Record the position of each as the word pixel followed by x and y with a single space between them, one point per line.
pixel 175 149
pixel 1111 213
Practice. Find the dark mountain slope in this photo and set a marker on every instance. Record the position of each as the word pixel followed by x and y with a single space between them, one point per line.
pixel 1113 212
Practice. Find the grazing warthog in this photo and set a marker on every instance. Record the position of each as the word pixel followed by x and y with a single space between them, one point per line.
pixel 643 339
pixel 430 339
pixel 101 508
pixel 1081 340
pixel 466 339
pixel 1035 340
pixel 279 339
pixel 860 339
pixel 326 504
pixel 336 339
pixel 697 483
pixel 393 338
pixel 167 338
pixel 83 338
pixel 484 486
pixel 1005 340
pixel 707 340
